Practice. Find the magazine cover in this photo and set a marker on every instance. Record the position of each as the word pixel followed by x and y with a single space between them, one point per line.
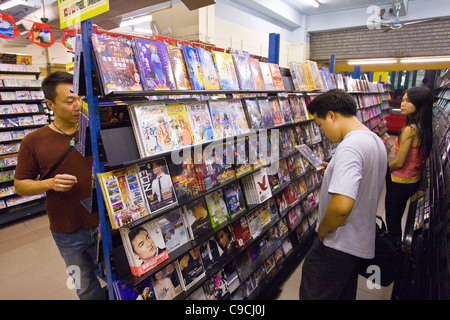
pixel 210 253
pixel 243 71
pixel 156 184
pixel 238 118
pixel 173 230
pixel 266 113
pixel 327 76
pixel 217 208
pixel 152 129
pixel 307 72
pixel 241 232
pixel 297 75
pixel 276 76
pixel 242 160
pixel 276 111
pixel 123 196
pixel 285 109
pixel 206 170
pixel 258 219
pixel 184 178
pixel 216 288
pixel 180 126
pixel 197 218
pixel 310 156
pixel 303 105
pixel 143 291
pixel 254 114
pixel 315 75
pixel 265 70
pixel 225 71
pixel 191 268
pixel 295 112
pixel 225 166
pixel 144 246
pixel 226 242
pixel 221 119
pixel 234 199
pixel 179 67
pixel 117 66
pixel 210 79
pixel 200 120
pixel 261 181
pixel 193 68
pixel 258 79
pixel 166 283
pixel 154 66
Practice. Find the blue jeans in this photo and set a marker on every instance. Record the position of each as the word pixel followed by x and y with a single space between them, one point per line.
pixel 78 249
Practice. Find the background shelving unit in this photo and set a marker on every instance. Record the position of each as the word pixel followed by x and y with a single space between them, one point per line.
pixel 12 131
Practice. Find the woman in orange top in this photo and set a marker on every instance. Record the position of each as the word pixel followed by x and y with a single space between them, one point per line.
pixel 412 148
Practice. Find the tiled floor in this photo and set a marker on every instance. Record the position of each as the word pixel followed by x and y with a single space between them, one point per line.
pixel 32 269
pixel 30 264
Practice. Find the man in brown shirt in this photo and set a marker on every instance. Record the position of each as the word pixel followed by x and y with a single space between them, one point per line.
pixel 73 228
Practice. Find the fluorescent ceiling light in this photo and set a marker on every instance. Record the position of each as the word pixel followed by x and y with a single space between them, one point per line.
pixel 10 4
pixel 424 59
pixel 143 30
pixel 313 3
pixel 136 20
pixel 371 61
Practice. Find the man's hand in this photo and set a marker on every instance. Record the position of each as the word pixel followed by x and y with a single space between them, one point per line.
pixel 63 182
pixel 338 210
pixel 324 165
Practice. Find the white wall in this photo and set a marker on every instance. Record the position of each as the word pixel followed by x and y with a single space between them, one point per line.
pixel 419 9
pixel 235 27
pixel 57 53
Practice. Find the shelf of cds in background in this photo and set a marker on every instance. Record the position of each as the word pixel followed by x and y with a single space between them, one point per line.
pixel 151 111
pixel 22 110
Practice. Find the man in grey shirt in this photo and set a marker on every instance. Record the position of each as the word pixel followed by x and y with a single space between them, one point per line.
pixel 351 188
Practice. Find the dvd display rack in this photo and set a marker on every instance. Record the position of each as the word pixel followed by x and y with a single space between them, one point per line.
pixel 271 230
pixel 22 110
pixel 425 272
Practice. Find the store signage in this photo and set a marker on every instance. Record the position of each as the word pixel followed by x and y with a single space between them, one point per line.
pixel 41 35
pixel 8 27
pixel 74 11
pixel 68 39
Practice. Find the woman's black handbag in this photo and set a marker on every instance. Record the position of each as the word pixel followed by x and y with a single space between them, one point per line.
pixel 388 256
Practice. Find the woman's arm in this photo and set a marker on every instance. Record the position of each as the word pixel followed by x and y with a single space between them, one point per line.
pixel 406 140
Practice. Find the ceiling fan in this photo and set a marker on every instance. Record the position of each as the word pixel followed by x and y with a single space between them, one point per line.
pixel 396 24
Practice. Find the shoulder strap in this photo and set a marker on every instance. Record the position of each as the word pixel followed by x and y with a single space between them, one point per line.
pixel 58 163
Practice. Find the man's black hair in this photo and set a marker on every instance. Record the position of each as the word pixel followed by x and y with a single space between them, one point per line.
pixel 335 100
pixel 50 82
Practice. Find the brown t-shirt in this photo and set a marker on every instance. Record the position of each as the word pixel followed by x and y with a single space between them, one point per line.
pixel 39 151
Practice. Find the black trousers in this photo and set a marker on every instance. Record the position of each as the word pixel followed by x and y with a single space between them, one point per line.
pixel 397 195
pixel 329 274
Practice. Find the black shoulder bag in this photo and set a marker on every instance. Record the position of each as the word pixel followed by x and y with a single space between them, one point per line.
pixel 58 163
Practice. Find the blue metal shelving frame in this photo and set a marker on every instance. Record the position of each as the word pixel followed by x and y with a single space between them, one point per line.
pixel 98 165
